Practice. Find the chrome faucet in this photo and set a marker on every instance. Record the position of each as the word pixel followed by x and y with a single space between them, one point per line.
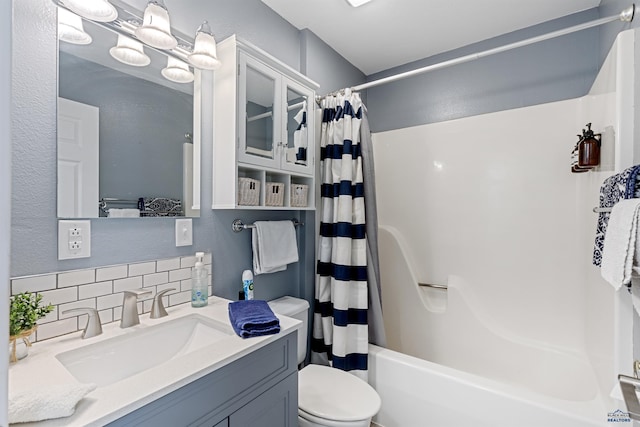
pixel 93 327
pixel 157 309
pixel 130 307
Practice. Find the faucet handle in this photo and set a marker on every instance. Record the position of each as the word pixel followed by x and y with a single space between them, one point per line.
pixel 93 327
pixel 157 309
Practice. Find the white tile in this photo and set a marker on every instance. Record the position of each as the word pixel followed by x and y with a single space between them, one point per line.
pixel 142 268
pixel 106 316
pixel 182 274
pixel 179 298
pixel 109 301
pixel 86 303
pixel 127 284
pixel 187 261
pixel 50 317
pixel 207 258
pixel 146 306
pixel 77 277
pixel 156 279
pixel 185 285
pixel 110 273
pixel 117 313
pixel 95 290
pixel 33 284
pixel 55 329
pixel 168 264
pixel 60 296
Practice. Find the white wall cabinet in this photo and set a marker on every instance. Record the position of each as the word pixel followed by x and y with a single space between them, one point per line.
pixel 263 131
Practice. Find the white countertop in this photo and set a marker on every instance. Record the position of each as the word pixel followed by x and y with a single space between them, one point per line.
pixel 105 404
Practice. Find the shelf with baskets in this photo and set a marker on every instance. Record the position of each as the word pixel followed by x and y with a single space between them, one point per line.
pixel 265 189
pixel 264 147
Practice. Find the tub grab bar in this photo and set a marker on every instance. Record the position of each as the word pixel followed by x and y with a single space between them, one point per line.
pixel 434 286
pixel 628 385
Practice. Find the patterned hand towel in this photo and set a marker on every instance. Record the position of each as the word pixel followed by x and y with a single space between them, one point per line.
pixel 624 185
pixel 160 206
pixel 253 318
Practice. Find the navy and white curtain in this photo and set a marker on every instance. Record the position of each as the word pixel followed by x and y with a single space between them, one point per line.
pixel 340 325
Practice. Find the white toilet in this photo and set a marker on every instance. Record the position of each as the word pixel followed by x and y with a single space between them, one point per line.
pixel 327 397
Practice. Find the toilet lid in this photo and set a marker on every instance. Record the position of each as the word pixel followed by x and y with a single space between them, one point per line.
pixel 333 394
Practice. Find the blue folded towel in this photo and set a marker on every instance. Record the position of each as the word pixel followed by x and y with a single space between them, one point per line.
pixel 624 185
pixel 253 318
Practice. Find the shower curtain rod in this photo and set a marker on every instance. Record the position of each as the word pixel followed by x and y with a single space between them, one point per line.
pixel 625 16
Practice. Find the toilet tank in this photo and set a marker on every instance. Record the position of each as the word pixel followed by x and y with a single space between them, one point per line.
pixel 298 309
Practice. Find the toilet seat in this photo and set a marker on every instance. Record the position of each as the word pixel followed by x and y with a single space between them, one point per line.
pixel 330 394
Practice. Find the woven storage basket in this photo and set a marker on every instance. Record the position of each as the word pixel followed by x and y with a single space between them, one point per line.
pixel 274 194
pixel 248 191
pixel 299 194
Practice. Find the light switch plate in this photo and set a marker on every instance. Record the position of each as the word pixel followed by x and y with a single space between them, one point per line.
pixel 74 239
pixel 184 232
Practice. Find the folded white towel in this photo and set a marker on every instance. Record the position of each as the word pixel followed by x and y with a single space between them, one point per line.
pixel 46 402
pixel 124 213
pixel 274 246
pixel 620 243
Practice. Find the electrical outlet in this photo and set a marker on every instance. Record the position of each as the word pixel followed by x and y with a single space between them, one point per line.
pixel 74 239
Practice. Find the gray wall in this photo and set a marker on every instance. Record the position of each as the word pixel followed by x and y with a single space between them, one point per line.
pixel 609 32
pixel 553 70
pixel 33 117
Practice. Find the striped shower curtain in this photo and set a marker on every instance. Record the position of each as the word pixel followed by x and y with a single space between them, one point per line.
pixel 340 330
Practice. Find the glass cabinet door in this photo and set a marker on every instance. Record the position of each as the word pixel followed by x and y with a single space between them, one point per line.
pixel 259 115
pixel 295 142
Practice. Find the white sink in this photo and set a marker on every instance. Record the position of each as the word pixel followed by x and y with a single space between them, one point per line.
pixel 114 359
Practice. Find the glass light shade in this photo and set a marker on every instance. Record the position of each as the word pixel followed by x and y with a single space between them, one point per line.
pixel 130 52
pixel 96 10
pixel 156 27
pixel 204 53
pixel 70 28
pixel 177 71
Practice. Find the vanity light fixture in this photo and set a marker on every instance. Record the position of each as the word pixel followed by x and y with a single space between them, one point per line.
pixel 96 10
pixel 70 28
pixel 177 71
pixel 156 27
pixel 130 52
pixel 357 3
pixel 204 53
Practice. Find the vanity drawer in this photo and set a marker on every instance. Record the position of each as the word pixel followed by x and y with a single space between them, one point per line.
pixel 212 398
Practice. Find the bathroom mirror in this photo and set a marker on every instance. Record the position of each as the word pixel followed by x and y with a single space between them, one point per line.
pixel 127 136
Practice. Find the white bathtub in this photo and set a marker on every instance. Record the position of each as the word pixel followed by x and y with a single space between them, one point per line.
pixel 451 364
pixel 418 393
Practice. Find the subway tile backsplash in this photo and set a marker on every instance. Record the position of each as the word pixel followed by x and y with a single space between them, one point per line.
pixel 102 288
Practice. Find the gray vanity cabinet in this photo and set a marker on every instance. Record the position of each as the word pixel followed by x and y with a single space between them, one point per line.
pixel 259 389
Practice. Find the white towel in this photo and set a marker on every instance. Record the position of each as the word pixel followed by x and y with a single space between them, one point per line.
pixel 620 243
pixel 124 213
pixel 274 246
pixel 46 402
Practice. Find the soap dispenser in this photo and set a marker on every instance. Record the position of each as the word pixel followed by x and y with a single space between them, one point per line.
pixel 589 149
pixel 199 283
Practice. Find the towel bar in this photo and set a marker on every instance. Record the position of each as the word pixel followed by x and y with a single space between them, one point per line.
pixel 237 225
pixel 628 385
pixel 598 210
pixel 431 285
